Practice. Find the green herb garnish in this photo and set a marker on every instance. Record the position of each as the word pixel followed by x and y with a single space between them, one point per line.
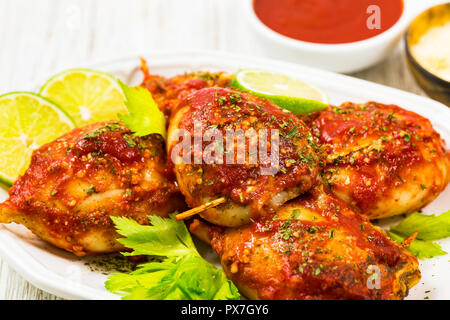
pixel 430 227
pixel 91 190
pixel 144 116
pixel 181 273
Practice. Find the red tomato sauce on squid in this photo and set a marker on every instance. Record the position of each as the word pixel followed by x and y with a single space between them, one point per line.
pixel 329 21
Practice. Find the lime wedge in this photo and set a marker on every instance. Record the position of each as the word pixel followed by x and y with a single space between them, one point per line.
pixel 27 121
pixel 286 92
pixel 87 96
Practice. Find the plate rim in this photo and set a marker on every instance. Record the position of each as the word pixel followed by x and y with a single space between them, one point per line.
pixel 33 271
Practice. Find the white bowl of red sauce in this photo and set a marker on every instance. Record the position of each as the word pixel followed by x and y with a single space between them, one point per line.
pixel 337 35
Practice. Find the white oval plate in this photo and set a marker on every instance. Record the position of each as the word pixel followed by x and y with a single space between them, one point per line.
pixel 67 276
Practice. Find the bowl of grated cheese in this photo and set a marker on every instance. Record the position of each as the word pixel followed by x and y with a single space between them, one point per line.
pixel 427 43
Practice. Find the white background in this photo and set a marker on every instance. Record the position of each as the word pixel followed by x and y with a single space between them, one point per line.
pixel 38 37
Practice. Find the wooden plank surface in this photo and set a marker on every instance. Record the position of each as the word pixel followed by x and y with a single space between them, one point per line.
pixel 38 37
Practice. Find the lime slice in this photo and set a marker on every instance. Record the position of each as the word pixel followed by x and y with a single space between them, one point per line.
pixel 88 96
pixel 27 121
pixel 286 92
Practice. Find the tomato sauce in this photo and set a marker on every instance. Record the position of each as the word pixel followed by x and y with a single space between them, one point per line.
pixel 329 21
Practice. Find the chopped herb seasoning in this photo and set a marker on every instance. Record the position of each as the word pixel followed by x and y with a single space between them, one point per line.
pixel 293 133
pixel 91 190
pixel 154 153
pixel 331 235
pixel 222 100
pixel 234 97
pixel 295 214
pixel 312 229
pixel 407 137
pixel 130 142
pixel 391 116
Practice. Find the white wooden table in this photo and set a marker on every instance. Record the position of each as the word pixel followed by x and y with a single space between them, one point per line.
pixel 38 37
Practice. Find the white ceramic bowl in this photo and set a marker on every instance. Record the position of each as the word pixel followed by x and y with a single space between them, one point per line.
pixel 347 57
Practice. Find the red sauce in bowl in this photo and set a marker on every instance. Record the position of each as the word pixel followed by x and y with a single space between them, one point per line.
pixel 329 21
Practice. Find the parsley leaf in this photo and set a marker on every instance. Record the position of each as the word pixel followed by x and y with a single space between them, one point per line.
pixel 144 116
pixel 430 227
pixel 420 248
pixel 165 237
pixel 182 274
